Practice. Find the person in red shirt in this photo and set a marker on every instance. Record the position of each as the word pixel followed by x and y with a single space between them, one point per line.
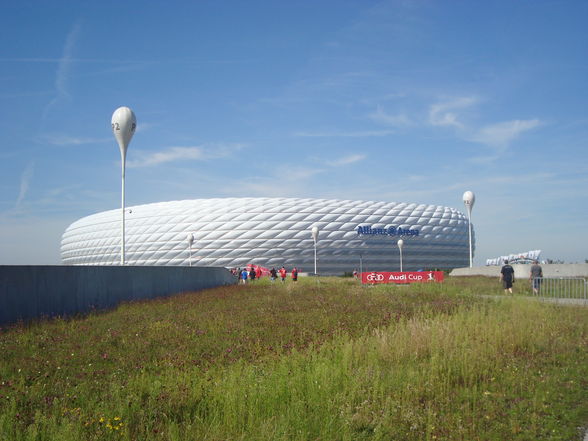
pixel 282 273
pixel 259 273
pixel 294 274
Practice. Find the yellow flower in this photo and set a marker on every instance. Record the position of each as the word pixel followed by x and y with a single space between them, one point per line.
pixel 116 418
pixel 101 420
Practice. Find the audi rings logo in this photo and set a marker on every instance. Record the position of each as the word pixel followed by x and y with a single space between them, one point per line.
pixel 374 277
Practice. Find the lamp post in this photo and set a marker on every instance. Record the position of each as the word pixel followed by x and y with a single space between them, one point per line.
pixel 469 198
pixel 190 242
pixel 124 124
pixel 315 232
pixel 400 245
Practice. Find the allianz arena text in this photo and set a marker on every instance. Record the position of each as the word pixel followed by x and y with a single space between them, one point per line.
pixel 271 232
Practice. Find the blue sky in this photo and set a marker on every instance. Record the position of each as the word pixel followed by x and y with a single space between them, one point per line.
pixel 406 101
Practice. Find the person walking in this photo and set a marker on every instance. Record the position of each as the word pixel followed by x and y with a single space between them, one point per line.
pixel 283 274
pixel 507 277
pixel 536 276
pixel 252 274
pixel 294 274
pixel 273 274
pixel 243 276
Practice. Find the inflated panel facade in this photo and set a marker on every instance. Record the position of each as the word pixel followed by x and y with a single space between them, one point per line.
pixel 234 232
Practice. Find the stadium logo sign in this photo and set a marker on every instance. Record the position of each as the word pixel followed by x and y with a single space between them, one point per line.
pixel 375 277
pixel 390 231
pixel 402 277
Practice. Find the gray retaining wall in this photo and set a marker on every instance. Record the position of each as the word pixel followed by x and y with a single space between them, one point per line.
pixel 29 292
pixel 522 271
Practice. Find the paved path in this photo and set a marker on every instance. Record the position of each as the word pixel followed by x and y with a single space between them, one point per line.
pixel 563 302
pixel 581 302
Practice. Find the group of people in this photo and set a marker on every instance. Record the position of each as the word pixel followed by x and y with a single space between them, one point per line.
pixel 507 277
pixel 256 273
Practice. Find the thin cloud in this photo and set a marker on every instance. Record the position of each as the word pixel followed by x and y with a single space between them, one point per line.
pixel 123 66
pixel 498 136
pixel 58 60
pixel 502 134
pixel 193 153
pixel 263 187
pixel 484 160
pixel 295 173
pixel 444 114
pixel 64 67
pixel 529 178
pixel 360 134
pixel 382 117
pixel 257 187
pixel 346 160
pixel 25 179
pixel 64 140
pixel 31 60
pixel 26 94
pixel 142 127
pixel 285 181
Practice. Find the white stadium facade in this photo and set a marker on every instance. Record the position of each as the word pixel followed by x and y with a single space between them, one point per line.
pixel 271 232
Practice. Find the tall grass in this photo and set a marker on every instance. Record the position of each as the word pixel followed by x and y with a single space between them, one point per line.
pixel 484 373
pixel 328 360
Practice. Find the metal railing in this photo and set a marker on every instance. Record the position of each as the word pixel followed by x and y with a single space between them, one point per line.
pixel 560 287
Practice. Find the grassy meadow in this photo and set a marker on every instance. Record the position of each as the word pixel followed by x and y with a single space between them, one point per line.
pixel 319 359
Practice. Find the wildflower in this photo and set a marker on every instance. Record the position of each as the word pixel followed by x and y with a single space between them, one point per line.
pixel 487 393
pixel 101 420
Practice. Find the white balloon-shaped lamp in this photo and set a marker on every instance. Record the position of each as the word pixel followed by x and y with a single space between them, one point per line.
pixel 124 125
pixel 400 244
pixel 190 242
pixel 469 198
pixel 314 231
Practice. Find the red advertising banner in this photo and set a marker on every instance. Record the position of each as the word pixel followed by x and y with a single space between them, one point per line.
pixel 402 277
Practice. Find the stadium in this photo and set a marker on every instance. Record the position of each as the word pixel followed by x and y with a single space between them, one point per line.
pixel 271 232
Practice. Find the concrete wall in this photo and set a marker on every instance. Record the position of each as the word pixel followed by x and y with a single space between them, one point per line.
pixel 29 292
pixel 522 271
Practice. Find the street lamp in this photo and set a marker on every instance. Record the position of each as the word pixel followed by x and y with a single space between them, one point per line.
pixel 469 199
pixel 124 124
pixel 400 245
pixel 315 232
pixel 190 242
